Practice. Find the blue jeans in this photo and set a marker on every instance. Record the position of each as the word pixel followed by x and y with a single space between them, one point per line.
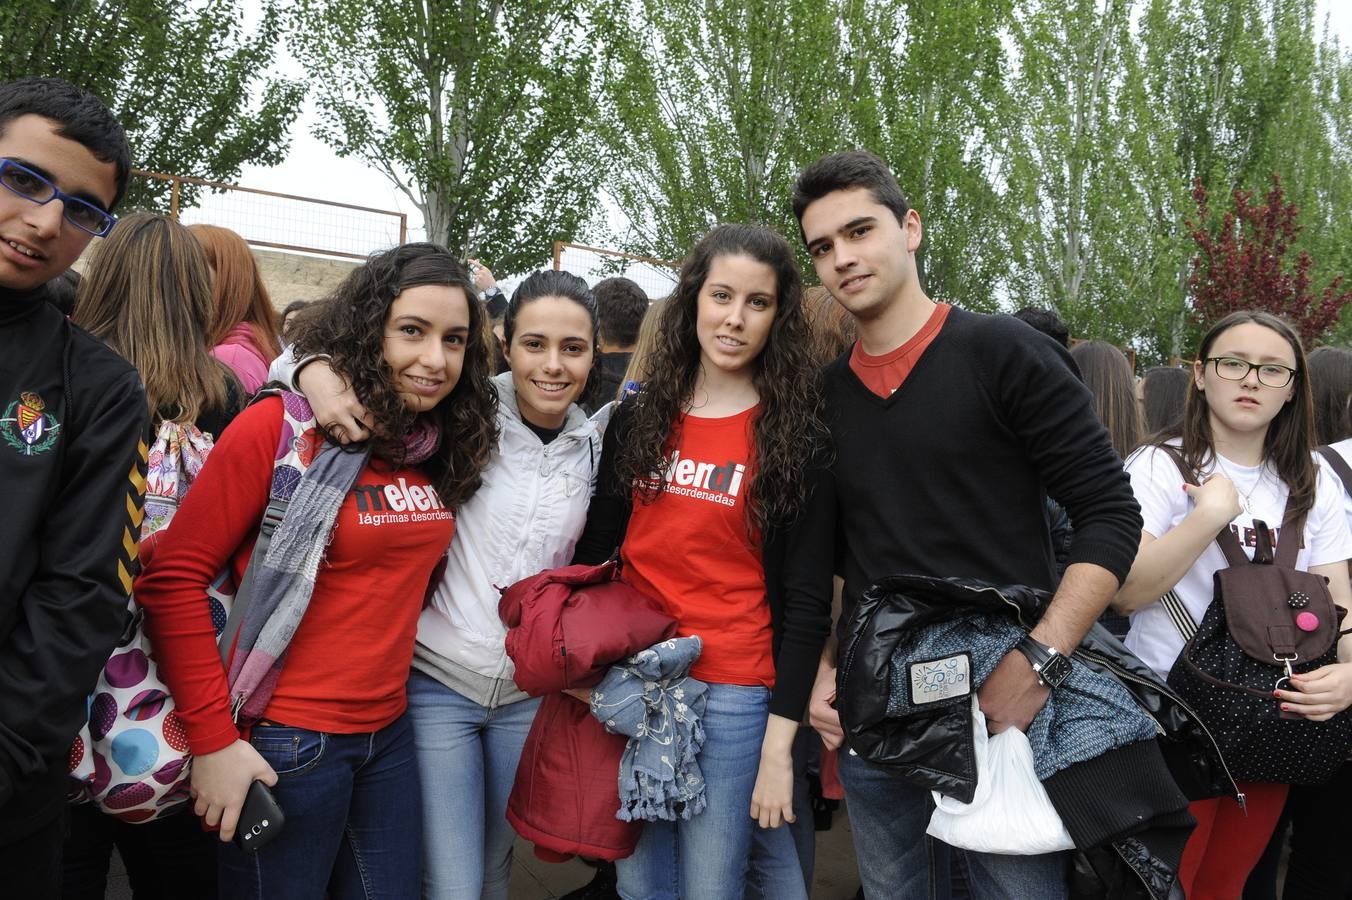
pixel 897 860
pixel 467 756
pixel 708 856
pixel 353 821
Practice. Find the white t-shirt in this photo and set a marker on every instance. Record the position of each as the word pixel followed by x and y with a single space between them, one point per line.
pixel 1159 489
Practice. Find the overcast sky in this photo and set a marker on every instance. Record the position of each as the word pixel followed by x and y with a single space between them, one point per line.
pixel 313 169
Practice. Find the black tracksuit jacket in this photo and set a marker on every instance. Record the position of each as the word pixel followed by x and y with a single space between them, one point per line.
pixel 73 433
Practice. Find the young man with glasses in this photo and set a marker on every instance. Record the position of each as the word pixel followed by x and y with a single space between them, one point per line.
pixel 73 427
pixel 949 429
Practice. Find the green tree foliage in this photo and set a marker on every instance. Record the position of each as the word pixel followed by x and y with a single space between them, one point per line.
pixel 1049 145
pixel 927 89
pixel 480 112
pixel 1329 228
pixel 1166 110
pixel 1073 207
pixel 1305 139
pixel 188 85
pixel 1244 88
pixel 712 107
pixel 1127 104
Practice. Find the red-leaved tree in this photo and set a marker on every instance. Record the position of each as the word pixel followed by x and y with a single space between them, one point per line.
pixel 1242 264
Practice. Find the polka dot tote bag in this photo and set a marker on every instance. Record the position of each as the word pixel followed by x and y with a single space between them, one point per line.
pixel 131 757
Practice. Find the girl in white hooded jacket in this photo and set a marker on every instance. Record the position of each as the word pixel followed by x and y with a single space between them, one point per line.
pixel 470 720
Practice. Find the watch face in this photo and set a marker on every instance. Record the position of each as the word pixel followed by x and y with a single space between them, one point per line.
pixel 1055 670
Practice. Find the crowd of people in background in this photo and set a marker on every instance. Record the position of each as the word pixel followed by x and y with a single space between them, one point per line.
pixel 881 533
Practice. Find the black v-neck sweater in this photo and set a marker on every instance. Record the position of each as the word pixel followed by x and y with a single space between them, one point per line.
pixel 946 477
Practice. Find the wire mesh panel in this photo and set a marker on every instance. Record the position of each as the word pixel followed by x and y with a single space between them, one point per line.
pixel 657 277
pixel 281 221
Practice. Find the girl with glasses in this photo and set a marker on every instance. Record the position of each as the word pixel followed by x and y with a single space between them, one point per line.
pixel 1246 433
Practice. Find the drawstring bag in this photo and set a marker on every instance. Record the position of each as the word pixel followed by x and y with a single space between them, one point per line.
pixel 1267 621
pixel 1010 813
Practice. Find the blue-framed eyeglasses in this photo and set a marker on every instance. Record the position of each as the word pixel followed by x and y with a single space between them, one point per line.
pixel 32 186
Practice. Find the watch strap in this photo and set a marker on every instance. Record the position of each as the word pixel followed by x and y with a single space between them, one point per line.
pixel 1036 653
pixel 1038 656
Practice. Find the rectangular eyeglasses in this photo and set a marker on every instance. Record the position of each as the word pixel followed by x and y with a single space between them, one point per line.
pixel 32 186
pixel 1270 375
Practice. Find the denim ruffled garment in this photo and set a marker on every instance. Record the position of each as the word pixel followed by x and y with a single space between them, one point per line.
pixel 652 699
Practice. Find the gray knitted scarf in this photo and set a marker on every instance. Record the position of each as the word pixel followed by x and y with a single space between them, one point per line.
pixel 285 577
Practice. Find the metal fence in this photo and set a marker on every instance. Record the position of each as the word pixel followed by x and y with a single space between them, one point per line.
pixel 271 219
pixel 657 277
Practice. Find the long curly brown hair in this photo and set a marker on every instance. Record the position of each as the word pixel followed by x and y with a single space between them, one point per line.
pixel 349 326
pixel 788 430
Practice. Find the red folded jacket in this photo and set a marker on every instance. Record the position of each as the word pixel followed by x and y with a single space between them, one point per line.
pixel 566 628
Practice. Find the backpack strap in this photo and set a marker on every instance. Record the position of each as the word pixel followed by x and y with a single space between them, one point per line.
pixel 1294 525
pixel 1340 468
pixel 1338 464
pixel 299 444
pixel 1179 615
pixel 1171 602
pixel 1229 544
pixel 272 517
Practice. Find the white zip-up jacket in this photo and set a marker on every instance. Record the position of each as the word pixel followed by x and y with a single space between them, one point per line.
pixel 525 518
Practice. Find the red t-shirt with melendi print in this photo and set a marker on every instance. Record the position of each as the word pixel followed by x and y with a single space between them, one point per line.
pixel 690 549
pixel 884 374
pixel 346 668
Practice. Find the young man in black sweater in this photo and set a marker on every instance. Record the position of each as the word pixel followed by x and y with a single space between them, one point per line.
pixel 949 429
pixel 73 423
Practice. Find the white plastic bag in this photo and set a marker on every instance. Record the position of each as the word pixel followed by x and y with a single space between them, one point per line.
pixel 1010 812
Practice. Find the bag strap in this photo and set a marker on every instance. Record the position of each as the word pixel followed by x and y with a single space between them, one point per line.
pixel 272 515
pixel 1229 544
pixel 1338 464
pixel 1294 525
pixel 1179 615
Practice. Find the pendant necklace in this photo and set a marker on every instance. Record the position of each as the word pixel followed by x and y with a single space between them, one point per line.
pixel 1245 499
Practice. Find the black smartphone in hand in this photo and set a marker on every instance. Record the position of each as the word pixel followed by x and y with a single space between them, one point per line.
pixel 260 819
